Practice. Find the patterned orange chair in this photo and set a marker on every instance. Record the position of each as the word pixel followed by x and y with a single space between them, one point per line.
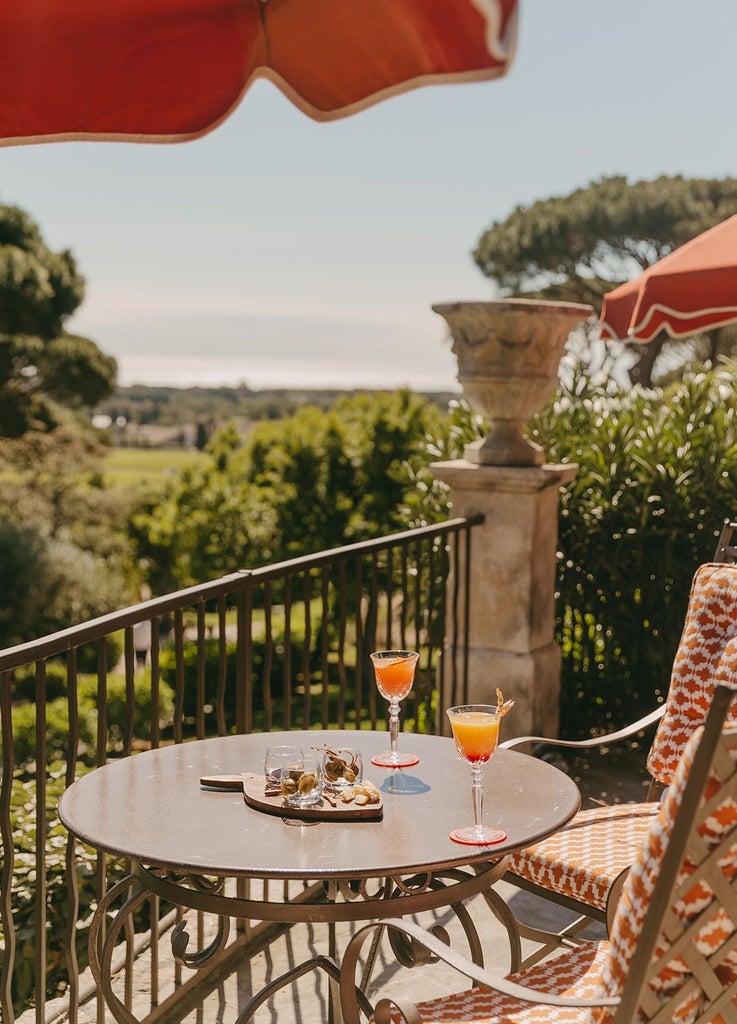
pixel 583 867
pixel 672 952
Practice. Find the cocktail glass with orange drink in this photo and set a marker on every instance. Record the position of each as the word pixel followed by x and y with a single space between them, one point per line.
pixel 395 674
pixel 476 734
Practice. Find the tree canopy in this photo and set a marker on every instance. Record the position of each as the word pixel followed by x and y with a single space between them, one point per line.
pixel 577 247
pixel 40 364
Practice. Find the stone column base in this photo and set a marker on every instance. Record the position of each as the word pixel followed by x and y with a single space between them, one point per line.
pixel 532 678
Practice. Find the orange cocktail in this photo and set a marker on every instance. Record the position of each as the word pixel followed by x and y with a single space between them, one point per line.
pixel 395 674
pixel 476 734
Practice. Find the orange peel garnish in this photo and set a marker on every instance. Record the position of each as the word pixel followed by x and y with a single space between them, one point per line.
pixel 502 706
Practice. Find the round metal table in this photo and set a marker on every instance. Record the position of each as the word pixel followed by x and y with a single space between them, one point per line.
pixel 184 840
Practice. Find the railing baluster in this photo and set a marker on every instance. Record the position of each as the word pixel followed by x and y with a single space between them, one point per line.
pixel 325 644
pixel 342 677
pixel 222 663
pixel 70 867
pixel 307 598
pixel 201 670
pixel 178 676
pixel 130 692
pixel 456 697
pixel 101 751
pixel 41 824
pixel 7 862
pixel 417 596
pixel 372 617
pixel 268 658
pixel 466 605
pixel 244 674
pixel 403 608
pixel 388 643
pixel 360 647
pixel 100 759
pixel 153 955
pixel 288 653
pixel 155 684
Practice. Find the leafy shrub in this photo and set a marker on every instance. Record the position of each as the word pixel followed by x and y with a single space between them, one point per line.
pixel 87 653
pixel 24 893
pixel 24 682
pixel 57 717
pixel 117 706
pixel 50 582
pixel 657 477
pixel 57 730
pixel 167 663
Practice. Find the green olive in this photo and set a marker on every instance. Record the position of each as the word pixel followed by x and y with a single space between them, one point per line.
pixel 307 783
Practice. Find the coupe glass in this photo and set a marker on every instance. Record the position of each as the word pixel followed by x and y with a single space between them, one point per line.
pixel 476 733
pixel 395 674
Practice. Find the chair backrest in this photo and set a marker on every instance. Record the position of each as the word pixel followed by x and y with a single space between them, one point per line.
pixel 706 655
pixel 726 548
pixel 673 941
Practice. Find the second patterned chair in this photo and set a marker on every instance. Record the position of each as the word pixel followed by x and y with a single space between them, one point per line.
pixel 583 867
pixel 672 953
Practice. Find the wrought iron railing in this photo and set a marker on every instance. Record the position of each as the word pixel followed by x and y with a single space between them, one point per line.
pixel 279 647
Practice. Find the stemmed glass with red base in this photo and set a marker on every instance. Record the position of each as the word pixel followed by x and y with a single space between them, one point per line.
pixel 476 734
pixel 395 674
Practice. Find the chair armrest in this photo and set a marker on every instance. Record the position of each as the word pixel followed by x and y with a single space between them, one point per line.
pixel 596 741
pixel 443 952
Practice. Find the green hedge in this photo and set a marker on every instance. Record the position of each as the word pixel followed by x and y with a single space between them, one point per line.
pixel 57 715
pixel 657 478
pixel 167 662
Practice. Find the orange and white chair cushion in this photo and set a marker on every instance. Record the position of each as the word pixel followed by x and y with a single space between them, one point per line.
pixel 585 858
pixel 706 656
pixel 577 975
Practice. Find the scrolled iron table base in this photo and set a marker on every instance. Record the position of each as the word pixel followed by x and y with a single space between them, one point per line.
pixel 183 840
pixel 342 900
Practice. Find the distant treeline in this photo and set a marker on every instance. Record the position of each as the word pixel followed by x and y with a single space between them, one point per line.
pixel 170 406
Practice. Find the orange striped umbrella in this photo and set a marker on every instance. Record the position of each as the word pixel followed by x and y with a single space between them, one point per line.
pixel 170 70
pixel 692 289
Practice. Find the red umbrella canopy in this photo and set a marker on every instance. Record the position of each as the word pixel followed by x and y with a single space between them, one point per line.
pixel 692 289
pixel 169 70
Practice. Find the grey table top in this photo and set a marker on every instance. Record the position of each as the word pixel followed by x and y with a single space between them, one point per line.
pixel 150 807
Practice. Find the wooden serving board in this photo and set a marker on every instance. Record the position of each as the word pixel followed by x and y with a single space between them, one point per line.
pixel 253 793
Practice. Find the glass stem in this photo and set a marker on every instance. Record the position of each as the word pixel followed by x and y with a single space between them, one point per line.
pixel 393 725
pixel 477 794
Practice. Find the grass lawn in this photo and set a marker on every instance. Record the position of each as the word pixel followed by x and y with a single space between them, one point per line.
pixel 146 467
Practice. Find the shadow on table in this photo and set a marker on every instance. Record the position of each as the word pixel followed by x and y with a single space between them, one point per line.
pixel 401 784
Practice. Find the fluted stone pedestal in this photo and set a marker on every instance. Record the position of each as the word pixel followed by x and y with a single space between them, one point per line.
pixel 512 580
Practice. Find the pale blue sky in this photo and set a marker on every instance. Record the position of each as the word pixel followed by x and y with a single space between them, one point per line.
pixel 278 251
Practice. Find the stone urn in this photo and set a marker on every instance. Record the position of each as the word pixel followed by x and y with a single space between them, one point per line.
pixel 508 351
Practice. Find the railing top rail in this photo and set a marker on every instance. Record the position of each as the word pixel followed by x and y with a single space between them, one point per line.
pixel 66 639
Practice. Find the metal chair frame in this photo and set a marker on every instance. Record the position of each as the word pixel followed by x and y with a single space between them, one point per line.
pixel 725 551
pixel 637 1001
